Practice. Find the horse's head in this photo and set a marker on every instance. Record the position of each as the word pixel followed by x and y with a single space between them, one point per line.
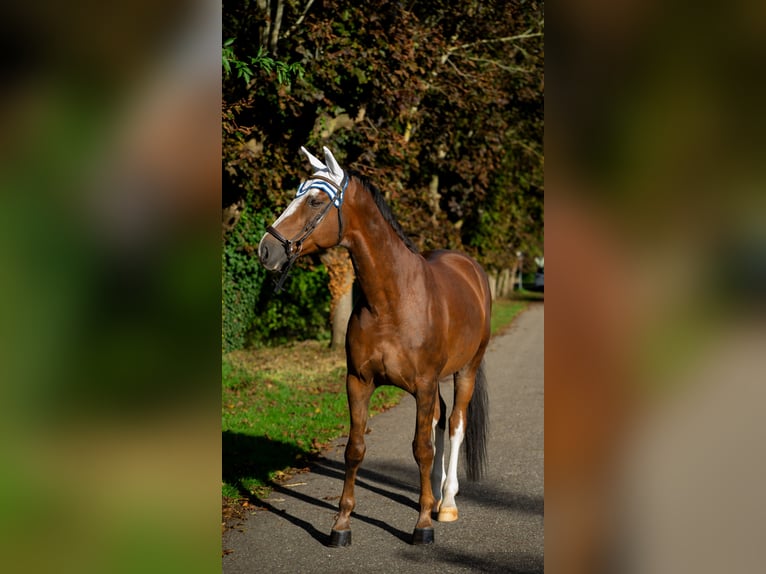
pixel 307 225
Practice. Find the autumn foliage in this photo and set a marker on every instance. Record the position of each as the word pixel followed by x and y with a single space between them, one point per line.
pixel 440 104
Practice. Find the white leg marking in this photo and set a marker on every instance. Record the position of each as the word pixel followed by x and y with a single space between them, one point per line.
pixel 448 511
pixel 437 472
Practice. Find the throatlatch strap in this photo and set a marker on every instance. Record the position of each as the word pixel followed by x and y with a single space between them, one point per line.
pixel 293 247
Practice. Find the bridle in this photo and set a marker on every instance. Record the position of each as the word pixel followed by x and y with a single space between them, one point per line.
pixel 294 246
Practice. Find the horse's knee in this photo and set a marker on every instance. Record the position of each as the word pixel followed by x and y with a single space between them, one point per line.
pixel 355 451
pixel 423 450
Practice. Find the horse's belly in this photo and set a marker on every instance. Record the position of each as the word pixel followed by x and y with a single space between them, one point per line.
pixel 458 359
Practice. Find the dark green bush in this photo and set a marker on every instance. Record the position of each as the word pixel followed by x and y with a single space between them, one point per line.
pixel 252 313
pixel 300 312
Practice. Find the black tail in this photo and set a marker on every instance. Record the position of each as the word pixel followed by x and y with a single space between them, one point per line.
pixel 477 428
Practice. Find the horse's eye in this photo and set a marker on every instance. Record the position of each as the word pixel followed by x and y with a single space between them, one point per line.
pixel 315 202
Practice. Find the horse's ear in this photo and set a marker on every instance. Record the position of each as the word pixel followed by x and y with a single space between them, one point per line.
pixel 332 164
pixel 316 163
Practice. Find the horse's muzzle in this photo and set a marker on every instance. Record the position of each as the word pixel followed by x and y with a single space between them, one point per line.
pixel 271 253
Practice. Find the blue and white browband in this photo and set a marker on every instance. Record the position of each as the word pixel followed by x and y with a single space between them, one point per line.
pixel 334 192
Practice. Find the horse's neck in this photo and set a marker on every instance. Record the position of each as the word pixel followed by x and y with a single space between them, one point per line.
pixel 384 265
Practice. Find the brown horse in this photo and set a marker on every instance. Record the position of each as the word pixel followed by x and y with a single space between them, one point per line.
pixel 422 317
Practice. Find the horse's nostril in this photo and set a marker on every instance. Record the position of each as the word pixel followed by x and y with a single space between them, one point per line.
pixel 264 253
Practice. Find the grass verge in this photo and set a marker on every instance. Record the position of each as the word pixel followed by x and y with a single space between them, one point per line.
pixel 504 311
pixel 282 405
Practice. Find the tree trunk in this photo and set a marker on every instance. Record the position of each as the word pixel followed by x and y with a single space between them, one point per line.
pixel 341 271
pixel 264 7
pixel 276 25
pixel 515 276
pixel 506 280
pixel 503 283
pixel 492 277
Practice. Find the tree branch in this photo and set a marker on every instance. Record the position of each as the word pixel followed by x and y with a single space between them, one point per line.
pixel 299 21
pixel 523 36
pixel 463 74
pixel 510 69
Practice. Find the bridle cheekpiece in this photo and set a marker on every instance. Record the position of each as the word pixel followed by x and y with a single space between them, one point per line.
pixel 294 246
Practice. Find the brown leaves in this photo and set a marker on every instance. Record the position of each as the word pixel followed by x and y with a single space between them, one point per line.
pixel 448 91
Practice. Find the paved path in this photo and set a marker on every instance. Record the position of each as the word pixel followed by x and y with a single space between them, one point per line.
pixel 500 528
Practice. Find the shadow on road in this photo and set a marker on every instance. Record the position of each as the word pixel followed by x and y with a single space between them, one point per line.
pixel 396 476
pixel 249 457
pixel 321 537
pixel 316 534
pixel 253 457
pixel 488 563
pixel 246 457
pixel 406 478
pixel 364 479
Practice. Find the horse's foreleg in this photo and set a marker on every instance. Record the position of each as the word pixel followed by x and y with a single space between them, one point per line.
pixel 359 394
pixel 423 449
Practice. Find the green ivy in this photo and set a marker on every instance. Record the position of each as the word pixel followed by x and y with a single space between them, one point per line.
pixel 242 279
pixel 300 312
pixel 251 313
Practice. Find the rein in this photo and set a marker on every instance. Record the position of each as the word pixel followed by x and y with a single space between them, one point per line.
pixel 294 246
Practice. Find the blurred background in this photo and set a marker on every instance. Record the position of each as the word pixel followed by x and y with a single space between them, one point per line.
pixel 109 248
pixel 656 260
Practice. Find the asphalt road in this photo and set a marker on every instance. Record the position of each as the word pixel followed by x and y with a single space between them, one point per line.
pixel 500 528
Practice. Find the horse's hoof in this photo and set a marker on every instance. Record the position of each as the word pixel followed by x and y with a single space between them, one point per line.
pixel 339 538
pixel 423 536
pixel 447 515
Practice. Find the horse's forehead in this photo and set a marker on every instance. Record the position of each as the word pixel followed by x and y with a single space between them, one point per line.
pixel 293 206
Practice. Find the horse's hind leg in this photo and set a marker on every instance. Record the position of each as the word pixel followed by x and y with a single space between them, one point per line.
pixel 464 383
pixel 359 394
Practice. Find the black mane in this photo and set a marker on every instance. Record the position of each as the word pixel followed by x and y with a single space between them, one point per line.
pixel 384 209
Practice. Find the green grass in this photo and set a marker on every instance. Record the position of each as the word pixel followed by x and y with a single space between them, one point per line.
pixel 504 311
pixel 281 406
